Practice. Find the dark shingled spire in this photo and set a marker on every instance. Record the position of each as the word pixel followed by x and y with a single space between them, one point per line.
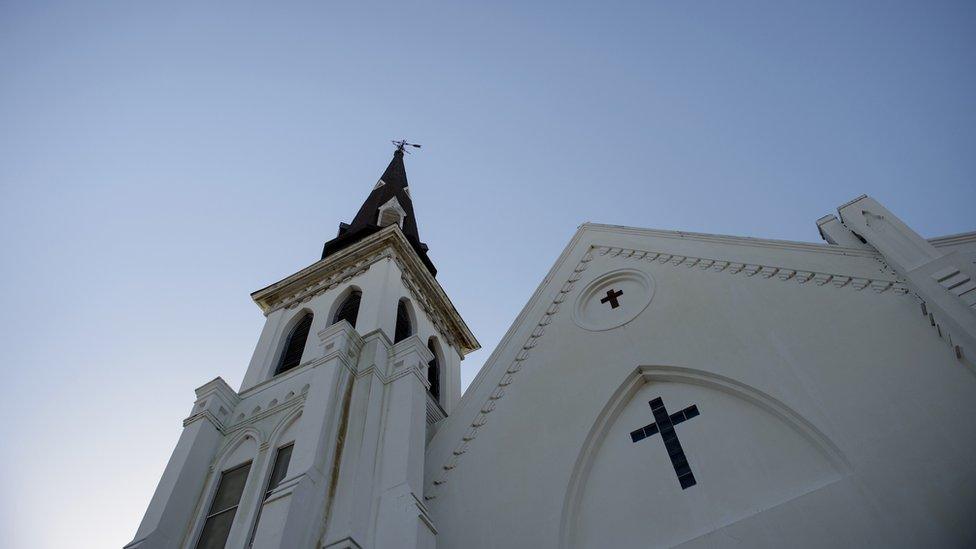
pixel 393 184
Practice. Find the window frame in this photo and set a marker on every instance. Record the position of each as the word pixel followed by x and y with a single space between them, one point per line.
pixel 268 488
pixel 342 305
pixel 209 513
pixel 405 306
pixel 434 363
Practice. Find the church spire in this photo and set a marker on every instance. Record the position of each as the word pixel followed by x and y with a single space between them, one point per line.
pixel 388 203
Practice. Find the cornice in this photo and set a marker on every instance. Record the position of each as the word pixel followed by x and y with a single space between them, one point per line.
pixel 356 259
pixel 764 271
pixel 733 240
pixel 953 239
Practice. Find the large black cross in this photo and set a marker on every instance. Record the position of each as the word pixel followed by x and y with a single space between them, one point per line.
pixel 664 424
pixel 612 296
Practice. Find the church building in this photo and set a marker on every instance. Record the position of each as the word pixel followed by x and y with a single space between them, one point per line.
pixel 659 389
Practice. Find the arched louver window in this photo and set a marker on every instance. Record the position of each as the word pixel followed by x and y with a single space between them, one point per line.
pixel 295 345
pixel 434 373
pixel 349 309
pixel 403 328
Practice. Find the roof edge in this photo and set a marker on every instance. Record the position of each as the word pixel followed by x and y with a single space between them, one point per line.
pixel 734 240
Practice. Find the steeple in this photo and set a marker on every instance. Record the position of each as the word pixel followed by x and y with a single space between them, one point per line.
pixel 388 203
pixel 359 358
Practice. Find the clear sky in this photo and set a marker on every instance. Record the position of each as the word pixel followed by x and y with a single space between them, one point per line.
pixel 160 161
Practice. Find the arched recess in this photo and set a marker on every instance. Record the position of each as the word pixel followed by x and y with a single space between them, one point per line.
pixel 435 370
pixel 284 431
pixel 224 455
pixel 406 321
pixel 346 306
pixel 644 375
pixel 291 346
pixel 239 449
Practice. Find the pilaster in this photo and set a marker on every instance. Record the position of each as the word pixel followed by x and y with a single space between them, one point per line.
pixel 350 514
pixel 403 519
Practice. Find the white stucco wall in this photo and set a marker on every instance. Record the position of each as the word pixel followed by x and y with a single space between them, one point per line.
pixel 831 412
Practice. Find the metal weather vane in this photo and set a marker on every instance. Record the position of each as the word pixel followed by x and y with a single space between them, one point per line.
pixel 402 144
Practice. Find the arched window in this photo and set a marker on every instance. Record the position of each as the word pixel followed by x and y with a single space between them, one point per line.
pixel 434 372
pixel 291 356
pixel 403 327
pixel 349 309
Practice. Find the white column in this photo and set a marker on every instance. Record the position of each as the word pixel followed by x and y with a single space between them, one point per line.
pixel 171 508
pixel 402 520
pixel 350 519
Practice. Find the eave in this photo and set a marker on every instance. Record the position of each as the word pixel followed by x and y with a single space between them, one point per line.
pixel 319 275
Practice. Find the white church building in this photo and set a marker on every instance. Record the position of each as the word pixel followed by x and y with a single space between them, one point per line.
pixel 659 389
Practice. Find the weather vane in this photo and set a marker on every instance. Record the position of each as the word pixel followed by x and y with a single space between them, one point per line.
pixel 402 144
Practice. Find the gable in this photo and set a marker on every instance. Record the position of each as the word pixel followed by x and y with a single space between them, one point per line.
pixel 812 327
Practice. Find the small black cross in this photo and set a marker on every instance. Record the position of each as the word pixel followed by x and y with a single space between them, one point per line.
pixel 664 424
pixel 612 296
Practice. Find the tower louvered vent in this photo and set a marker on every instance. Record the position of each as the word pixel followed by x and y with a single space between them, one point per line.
pixel 349 309
pixel 434 373
pixel 403 328
pixel 295 346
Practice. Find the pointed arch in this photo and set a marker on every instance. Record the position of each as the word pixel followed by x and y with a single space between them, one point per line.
pixel 347 306
pixel 224 462
pixel 282 428
pixel 434 369
pixel 294 343
pixel 234 443
pixel 651 374
pixel 404 321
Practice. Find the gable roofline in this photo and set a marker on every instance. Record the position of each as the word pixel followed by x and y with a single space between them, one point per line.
pixel 509 356
pixel 953 239
pixel 517 323
pixel 733 240
pixel 830 249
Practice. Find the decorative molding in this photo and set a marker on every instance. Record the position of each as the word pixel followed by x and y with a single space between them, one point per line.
pixel 325 284
pixel 419 298
pixel 249 419
pixel 953 239
pixel 767 272
pixel 831 249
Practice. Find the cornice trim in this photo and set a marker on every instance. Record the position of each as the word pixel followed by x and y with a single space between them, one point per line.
pixel 353 260
pixel 877 284
pixel 733 240
pixel 953 239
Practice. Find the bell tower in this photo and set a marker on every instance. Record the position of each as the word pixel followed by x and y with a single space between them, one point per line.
pixel 323 444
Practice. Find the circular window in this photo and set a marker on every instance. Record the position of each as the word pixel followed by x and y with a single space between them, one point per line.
pixel 613 299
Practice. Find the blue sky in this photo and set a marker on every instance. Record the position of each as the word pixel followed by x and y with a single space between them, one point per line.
pixel 158 162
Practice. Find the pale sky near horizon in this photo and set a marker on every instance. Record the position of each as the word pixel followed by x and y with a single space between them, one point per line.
pixel 160 161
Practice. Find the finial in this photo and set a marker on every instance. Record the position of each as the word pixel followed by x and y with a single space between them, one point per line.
pixel 402 144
